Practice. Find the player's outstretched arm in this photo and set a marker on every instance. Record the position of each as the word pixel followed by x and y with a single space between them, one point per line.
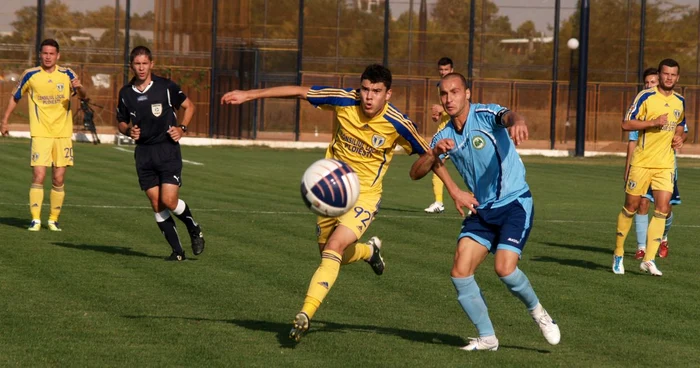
pixel 516 126
pixel 5 128
pixel 238 97
pixel 461 198
pixel 644 124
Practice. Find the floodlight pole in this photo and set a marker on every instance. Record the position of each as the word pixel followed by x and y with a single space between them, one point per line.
pixel 582 80
pixel 39 29
pixel 300 53
pixel 642 24
pixel 472 29
pixel 555 76
pixel 127 25
pixel 386 33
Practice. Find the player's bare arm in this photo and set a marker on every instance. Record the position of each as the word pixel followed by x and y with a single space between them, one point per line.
pixel 78 87
pixel 425 163
pixel 5 128
pixel 435 111
pixel 130 131
pixel 631 145
pixel 516 126
pixel 679 137
pixel 462 199
pixel 238 97
pixel 644 124
pixel 176 132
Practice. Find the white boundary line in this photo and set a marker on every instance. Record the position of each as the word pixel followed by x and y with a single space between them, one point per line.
pixel 424 217
pixel 183 160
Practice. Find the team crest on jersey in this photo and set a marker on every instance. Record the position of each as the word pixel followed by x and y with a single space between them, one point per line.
pixel 632 184
pixel 478 142
pixel 59 87
pixel 378 141
pixel 157 109
pixel 677 114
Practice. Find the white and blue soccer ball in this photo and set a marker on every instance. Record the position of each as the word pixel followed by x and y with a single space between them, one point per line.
pixel 330 187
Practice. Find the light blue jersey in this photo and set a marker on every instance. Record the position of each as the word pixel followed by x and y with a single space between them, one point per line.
pixel 485 156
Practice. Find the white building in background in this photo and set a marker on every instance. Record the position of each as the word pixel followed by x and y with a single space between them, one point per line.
pixel 364 5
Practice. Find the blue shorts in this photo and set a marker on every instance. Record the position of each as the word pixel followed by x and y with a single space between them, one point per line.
pixel 675 197
pixel 506 227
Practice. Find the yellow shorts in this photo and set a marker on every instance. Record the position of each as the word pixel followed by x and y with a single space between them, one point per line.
pixel 640 178
pixel 51 151
pixel 357 219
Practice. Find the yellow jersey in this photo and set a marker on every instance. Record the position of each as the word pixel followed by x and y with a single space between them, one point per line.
pixel 654 145
pixel 49 101
pixel 366 144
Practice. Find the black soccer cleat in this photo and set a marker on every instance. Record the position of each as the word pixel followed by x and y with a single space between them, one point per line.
pixel 300 327
pixel 177 257
pixel 197 241
pixel 376 261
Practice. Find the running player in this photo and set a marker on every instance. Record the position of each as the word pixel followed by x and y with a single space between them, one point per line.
pixel 369 129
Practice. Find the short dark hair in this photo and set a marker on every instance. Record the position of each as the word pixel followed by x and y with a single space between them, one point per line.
pixel 465 83
pixel 49 42
pixel 445 61
pixel 140 50
pixel 377 73
pixel 669 63
pixel 650 71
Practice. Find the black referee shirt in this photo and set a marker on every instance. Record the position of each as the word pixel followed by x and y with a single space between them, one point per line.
pixel 153 110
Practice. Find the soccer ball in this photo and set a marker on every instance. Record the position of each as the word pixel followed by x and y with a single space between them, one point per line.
pixel 330 187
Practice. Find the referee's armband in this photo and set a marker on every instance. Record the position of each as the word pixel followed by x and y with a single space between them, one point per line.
pixel 500 115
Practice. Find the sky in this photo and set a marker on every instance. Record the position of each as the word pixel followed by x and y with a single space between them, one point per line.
pixel 541 12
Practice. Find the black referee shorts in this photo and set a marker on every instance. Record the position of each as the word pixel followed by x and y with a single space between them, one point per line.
pixel 157 164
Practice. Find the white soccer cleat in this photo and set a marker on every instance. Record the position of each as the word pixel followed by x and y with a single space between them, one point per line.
pixel 488 343
pixel 549 328
pixel 618 267
pixel 436 207
pixel 650 267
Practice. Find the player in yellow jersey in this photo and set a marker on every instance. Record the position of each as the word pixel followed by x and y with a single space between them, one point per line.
pixel 368 131
pixel 659 115
pixel 49 88
pixel 438 114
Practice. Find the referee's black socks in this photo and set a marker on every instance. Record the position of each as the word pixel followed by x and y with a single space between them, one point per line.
pixel 167 227
pixel 182 211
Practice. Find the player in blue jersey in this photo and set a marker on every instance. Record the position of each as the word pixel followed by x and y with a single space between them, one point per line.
pixel 480 140
pixel 641 219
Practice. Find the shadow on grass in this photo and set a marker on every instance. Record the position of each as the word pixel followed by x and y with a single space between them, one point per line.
pixel 14 222
pixel 585 248
pixel 281 331
pixel 582 263
pixel 392 209
pixel 124 251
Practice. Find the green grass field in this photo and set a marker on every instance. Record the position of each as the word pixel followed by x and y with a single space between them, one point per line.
pixel 100 294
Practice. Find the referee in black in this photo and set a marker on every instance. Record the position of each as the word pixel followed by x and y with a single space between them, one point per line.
pixel 146 113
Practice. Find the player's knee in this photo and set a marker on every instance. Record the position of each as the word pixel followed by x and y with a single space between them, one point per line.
pixel 461 270
pixel 504 269
pixel 643 207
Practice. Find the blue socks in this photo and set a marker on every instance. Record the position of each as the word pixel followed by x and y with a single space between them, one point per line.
pixel 641 223
pixel 669 221
pixel 473 304
pixel 519 285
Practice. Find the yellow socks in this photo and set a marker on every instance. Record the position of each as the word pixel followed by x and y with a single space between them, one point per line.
pixel 654 234
pixel 624 223
pixel 437 188
pixel 357 252
pixel 36 197
pixel 57 195
pixel 322 281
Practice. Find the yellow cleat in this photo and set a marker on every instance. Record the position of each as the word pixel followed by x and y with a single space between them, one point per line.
pixel 35 225
pixel 301 325
pixel 53 226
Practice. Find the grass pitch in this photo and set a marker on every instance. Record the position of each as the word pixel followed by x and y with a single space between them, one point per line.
pixel 100 294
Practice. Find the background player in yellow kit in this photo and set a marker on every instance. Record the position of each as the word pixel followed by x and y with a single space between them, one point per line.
pixel 438 114
pixel 49 88
pixel 659 116
pixel 368 131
